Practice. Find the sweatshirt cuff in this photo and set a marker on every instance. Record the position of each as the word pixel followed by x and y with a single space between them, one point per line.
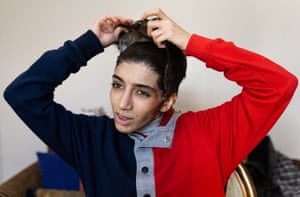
pixel 89 45
pixel 198 46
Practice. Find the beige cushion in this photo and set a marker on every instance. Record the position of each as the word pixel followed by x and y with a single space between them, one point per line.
pixel 57 193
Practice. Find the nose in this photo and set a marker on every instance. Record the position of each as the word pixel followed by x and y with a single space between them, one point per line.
pixel 126 101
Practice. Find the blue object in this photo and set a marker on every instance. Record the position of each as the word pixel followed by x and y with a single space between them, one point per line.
pixel 56 173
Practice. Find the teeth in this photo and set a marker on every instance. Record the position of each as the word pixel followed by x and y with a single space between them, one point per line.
pixel 123 117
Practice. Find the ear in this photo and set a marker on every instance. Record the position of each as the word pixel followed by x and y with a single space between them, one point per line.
pixel 168 102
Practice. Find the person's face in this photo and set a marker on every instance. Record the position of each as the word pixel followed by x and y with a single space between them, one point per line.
pixel 135 96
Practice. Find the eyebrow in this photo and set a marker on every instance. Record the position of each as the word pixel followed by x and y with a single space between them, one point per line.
pixel 137 85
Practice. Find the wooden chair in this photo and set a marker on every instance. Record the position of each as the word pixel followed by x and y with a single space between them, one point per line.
pixel 240 183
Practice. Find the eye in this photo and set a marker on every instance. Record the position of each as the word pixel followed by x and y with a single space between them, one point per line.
pixel 116 85
pixel 143 93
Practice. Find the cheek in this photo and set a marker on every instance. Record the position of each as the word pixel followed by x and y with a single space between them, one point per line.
pixel 113 98
pixel 147 109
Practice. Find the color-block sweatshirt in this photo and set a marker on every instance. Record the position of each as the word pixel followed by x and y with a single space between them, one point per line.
pixel 188 154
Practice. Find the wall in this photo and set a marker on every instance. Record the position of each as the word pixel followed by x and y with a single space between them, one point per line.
pixel 28 28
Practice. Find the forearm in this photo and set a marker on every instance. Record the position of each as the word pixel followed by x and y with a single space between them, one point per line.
pixel 52 68
pixel 258 75
pixel 31 94
pixel 267 88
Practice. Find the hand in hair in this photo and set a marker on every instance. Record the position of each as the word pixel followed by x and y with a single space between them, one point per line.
pixel 108 28
pixel 165 29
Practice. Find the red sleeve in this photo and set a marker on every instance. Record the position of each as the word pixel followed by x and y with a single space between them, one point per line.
pixel 234 128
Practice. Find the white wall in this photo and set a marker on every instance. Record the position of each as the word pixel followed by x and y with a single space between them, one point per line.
pixel 28 28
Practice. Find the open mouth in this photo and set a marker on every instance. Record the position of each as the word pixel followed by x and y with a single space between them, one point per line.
pixel 122 120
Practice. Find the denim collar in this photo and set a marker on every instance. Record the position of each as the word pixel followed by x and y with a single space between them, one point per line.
pixel 156 135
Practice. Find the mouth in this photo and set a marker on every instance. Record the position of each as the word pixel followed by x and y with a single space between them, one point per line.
pixel 122 119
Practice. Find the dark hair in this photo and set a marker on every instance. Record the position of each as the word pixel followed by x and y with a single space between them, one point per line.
pixel 169 63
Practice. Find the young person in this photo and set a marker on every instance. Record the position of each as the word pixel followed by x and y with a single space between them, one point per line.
pixel 147 149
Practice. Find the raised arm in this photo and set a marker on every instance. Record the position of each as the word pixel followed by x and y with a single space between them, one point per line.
pixel 234 128
pixel 31 93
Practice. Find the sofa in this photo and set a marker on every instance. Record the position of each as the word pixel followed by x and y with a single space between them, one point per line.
pixel 30 179
pixel 26 181
pixel 18 185
pixel 49 176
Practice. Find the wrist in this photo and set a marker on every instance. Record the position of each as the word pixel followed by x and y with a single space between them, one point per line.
pixel 89 44
pixel 185 41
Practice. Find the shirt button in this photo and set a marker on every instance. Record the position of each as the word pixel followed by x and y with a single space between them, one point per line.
pixel 167 138
pixel 147 195
pixel 145 170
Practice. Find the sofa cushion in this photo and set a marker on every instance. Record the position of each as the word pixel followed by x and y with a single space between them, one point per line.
pixel 56 173
pixel 40 192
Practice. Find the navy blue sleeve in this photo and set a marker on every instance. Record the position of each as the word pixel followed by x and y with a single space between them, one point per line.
pixel 100 154
pixel 31 95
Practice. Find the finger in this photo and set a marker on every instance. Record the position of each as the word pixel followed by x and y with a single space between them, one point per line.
pixel 156 33
pixel 160 44
pixel 121 20
pixel 118 30
pixel 153 25
pixel 107 24
pixel 159 37
pixel 154 13
pixel 110 23
pixel 125 21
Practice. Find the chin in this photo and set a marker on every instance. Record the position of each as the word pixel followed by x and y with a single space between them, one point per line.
pixel 124 129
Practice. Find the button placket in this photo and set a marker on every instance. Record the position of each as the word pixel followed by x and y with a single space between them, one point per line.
pixel 145 174
pixel 157 137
